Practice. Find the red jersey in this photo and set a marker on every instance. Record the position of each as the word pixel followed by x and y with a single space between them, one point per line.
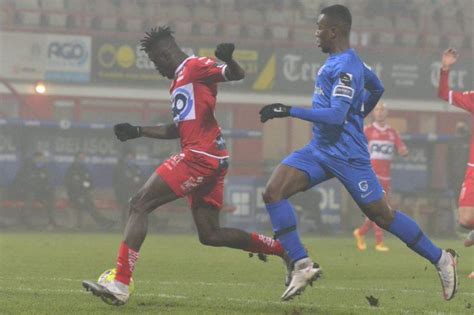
pixel 464 100
pixel 383 141
pixel 193 101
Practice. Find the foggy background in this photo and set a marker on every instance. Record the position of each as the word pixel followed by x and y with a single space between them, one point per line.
pixel 70 69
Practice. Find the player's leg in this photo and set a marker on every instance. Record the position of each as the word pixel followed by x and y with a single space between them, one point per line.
pixel 408 231
pixel 466 208
pixel 466 201
pixel 206 218
pixel 206 202
pixel 154 193
pixel 360 232
pixel 297 173
pixel 378 231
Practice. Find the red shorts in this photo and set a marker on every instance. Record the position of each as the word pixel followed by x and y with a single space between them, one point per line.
pixel 466 197
pixel 197 176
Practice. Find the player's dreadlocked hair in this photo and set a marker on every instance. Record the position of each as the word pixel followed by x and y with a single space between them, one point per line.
pixel 155 35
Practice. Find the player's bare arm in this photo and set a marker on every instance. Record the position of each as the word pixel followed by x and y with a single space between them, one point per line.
pixel 126 131
pixel 168 131
pixel 233 71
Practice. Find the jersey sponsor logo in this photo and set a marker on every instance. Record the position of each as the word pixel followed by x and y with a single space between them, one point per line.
pixel 345 79
pixel 182 103
pixel 344 91
pixel 381 150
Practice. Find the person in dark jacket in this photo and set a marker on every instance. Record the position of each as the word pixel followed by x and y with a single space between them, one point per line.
pixel 79 187
pixel 128 178
pixel 33 185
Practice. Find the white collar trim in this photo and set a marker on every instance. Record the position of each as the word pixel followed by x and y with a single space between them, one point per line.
pixel 380 128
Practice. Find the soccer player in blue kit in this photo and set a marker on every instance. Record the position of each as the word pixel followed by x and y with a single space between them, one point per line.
pixel 346 91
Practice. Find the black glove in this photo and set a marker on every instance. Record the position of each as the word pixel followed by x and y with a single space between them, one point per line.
pixel 224 51
pixel 125 131
pixel 276 110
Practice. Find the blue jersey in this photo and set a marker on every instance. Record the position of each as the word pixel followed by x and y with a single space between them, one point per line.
pixel 340 83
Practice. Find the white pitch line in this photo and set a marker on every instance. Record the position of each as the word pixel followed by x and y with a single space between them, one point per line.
pixel 236 284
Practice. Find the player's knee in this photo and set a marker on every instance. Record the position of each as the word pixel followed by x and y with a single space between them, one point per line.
pixel 381 214
pixel 209 239
pixel 271 195
pixel 466 218
pixel 135 205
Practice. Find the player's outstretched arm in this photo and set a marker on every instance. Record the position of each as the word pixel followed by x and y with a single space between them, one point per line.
pixel 126 131
pixel 233 71
pixel 374 90
pixel 464 100
pixel 334 115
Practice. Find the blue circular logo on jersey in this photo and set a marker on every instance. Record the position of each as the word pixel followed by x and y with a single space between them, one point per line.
pixel 182 104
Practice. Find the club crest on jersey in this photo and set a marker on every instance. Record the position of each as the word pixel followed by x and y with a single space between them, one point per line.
pixel 363 185
pixel 182 103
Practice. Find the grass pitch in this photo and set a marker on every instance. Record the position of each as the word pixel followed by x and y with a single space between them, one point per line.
pixel 41 273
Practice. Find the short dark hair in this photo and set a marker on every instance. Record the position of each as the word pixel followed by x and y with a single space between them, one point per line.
pixel 154 36
pixel 340 16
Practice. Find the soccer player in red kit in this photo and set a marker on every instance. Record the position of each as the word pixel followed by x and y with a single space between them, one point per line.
pixel 383 142
pixel 463 100
pixel 197 172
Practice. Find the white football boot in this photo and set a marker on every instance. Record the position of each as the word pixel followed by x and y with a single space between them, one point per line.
pixel 114 292
pixel 446 268
pixel 304 273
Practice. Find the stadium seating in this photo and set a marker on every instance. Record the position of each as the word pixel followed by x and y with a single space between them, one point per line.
pixel 380 22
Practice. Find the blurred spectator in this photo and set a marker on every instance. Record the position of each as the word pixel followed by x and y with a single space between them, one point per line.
pixel 458 158
pixel 308 206
pixel 127 180
pixel 32 185
pixel 79 186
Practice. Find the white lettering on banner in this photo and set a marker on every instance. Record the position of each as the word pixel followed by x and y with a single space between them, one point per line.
pixel 456 77
pixel 296 70
pixel 328 200
pixel 101 146
pixel 405 74
pixel 68 57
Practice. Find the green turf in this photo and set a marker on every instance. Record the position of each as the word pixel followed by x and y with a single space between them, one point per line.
pixel 42 273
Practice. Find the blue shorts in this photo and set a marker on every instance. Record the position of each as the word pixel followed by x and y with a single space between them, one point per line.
pixel 357 176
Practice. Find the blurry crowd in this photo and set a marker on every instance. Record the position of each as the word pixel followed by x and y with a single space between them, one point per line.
pixel 32 191
pixel 427 23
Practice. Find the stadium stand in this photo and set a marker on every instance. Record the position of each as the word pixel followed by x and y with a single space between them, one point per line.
pixel 377 22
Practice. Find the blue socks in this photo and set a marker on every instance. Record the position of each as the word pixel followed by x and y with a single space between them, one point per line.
pixel 406 229
pixel 283 220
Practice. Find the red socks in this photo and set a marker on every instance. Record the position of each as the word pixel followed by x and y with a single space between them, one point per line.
pixel 378 231
pixel 126 260
pixel 365 227
pixel 265 245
